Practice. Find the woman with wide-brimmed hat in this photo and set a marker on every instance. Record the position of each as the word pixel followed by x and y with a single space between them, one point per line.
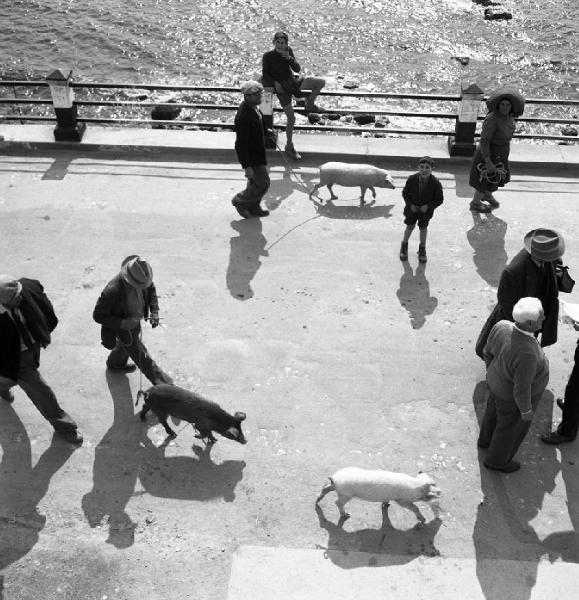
pixel 490 165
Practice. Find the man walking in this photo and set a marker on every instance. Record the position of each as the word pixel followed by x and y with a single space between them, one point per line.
pixel 26 321
pixel 129 297
pixel 250 148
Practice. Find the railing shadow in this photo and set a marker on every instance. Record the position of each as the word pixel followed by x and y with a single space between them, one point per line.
pixel 414 295
pixel 244 257
pixel 23 486
pixel 390 546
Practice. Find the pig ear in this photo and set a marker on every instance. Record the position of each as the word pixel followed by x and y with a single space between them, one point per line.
pixel 239 416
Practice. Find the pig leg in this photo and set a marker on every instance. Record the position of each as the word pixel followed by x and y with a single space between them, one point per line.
pixel 329 487
pixel 316 188
pixel 373 192
pixel 411 506
pixel 333 196
pixel 340 503
pixel 206 434
pixel 143 413
pixel 163 421
pixel 363 190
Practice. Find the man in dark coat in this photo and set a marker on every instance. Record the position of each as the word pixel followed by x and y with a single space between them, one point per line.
pixel 26 321
pixel 530 273
pixel 250 148
pixel 129 297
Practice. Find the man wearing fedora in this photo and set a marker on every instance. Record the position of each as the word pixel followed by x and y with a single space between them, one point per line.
pixel 250 148
pixel 26 321
pixel 127 299
pixel 531 272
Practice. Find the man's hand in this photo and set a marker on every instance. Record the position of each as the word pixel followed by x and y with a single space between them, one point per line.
pixel 424 208
pixel 130 322
pixel 154 320
pixel 249 173
pixel 414 208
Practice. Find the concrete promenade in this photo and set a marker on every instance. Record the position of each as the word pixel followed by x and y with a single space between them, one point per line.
pixel 307 321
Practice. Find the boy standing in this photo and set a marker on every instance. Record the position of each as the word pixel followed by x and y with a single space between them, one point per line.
pixel 422 194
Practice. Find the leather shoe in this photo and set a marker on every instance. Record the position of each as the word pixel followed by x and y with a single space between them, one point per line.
pixel 8 396
pixel 72 436
pixel 124 369
pixel 510 467
pixel 555 438
pixel 560 403
pixel 257 211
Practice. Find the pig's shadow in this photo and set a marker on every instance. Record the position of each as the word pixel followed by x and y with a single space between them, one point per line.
pixel 188 477
pixel 383 547
pixel 283 188
pixel 362 213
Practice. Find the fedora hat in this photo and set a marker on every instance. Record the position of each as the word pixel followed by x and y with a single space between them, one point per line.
pixel 545 244
pixel 9 289
pixel 137 272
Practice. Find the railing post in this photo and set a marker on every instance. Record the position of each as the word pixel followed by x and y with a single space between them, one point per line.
pixel 266 108
pixel 67 127
pixel 462 144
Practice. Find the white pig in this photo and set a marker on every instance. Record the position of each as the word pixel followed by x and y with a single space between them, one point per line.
pixel 380 486
pixel 350 175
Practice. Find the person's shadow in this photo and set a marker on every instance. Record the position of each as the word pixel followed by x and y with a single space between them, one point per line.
pixel 362 213
pixel 503 529
pixel 390 546
pixel 188 477
pixel 244 257
pixel 414 295
pixel 487 238
pixel 22 486
pixel 116 465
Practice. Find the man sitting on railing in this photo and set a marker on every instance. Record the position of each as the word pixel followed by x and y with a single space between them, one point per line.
pixel 280 72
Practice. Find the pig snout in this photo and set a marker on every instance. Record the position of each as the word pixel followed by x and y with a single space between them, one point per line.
pixel 235 434
pixel 388 183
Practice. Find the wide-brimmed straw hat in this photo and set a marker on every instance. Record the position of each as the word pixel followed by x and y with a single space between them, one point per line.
pixel 137 272
pixel 9 288
pixel 545 244
pixel 511 94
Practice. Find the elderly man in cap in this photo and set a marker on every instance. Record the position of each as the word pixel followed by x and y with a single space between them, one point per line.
pixel 517 375
pixel 129 297
pixel 26 321
pixel 250 148
pixel 530 273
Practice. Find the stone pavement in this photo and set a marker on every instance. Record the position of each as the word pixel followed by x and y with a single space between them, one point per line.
pixel 306 320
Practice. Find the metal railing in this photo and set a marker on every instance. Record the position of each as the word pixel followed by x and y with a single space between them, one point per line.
pixel 212 107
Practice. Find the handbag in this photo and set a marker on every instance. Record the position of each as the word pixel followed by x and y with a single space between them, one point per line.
pixel 565 282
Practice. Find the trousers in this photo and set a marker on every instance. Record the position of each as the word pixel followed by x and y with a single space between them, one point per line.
pixel 255 188
pixel 132 347
pixel 570 423
pixel 502 430
pixel 36 388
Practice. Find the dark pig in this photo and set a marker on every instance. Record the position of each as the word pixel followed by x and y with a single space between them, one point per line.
pixel 206 416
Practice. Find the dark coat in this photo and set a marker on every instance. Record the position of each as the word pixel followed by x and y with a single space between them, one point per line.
pixel 111 309
pixel 521 278
pixel 41 321
pixel 250 141
pixel 432 194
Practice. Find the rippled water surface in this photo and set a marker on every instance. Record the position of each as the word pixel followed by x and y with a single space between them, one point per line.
pixel 398 45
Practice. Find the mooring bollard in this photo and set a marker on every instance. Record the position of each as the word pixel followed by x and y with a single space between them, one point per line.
pixel 462 144
pixel 266 108
pixel 67 127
